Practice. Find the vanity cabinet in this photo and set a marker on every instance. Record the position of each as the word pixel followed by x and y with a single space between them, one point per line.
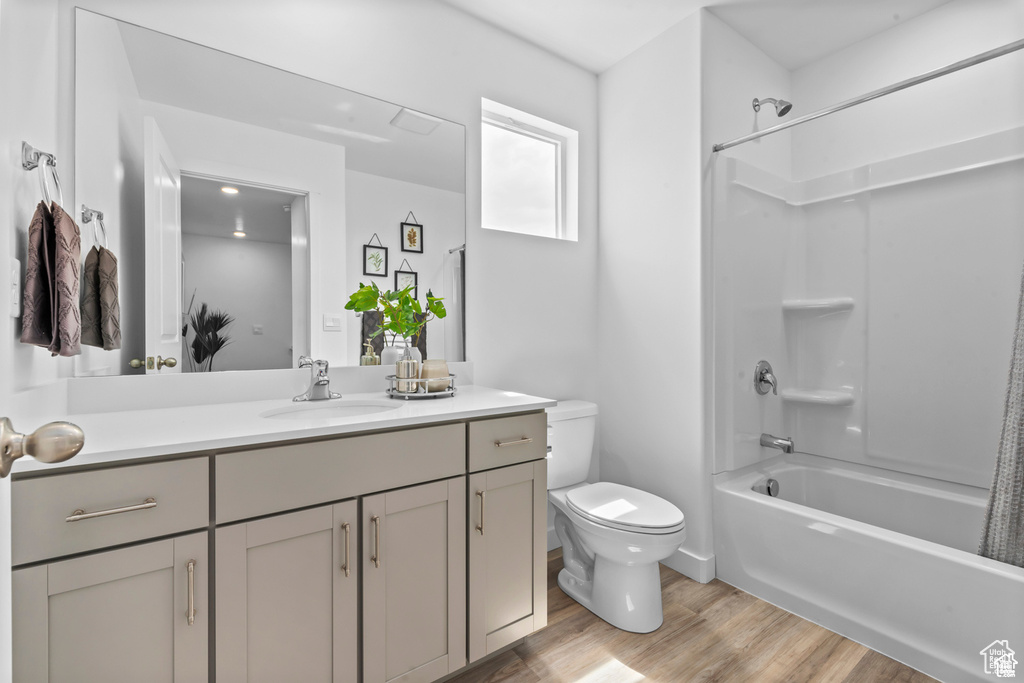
pixel 288 597
pixel 339 559
pixel 507 555
pixel 133 614
pixel 507 531
pixel 414 583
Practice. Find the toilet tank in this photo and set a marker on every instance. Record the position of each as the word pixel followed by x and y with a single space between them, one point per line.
pixel 571 427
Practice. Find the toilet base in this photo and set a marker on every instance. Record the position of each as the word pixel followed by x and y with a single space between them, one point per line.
pixel 626 596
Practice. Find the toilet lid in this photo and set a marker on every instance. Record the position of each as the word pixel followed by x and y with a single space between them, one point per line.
pixel 625 508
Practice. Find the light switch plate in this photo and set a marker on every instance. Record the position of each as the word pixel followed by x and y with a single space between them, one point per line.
pixel 15 273
pixel 332 323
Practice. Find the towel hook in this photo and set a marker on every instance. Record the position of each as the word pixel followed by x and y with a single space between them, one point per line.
pixel 32 158
pixel 87 216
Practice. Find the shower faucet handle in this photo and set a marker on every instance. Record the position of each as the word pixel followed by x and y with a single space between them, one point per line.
pixel 764 378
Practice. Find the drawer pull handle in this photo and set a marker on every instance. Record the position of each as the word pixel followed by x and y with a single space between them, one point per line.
pixel 191 614
pixel 79 515
pixel 480 526
pixel 502 444
pixel 347 528
pixel 375 558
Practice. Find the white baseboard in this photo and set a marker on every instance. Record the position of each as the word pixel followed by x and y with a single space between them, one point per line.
pixel 694 566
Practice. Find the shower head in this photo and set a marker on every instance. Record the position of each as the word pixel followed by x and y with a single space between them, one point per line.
pixel 782 107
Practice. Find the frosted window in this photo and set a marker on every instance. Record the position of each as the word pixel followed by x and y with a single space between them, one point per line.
pixel 519 182
pixel 528 178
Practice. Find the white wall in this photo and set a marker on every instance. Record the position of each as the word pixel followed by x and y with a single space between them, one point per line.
pixel 431 57
pixel 250 281
pixel 651 291
pixel 377 205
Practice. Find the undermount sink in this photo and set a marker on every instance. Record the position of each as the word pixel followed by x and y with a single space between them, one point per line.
pixel 330 410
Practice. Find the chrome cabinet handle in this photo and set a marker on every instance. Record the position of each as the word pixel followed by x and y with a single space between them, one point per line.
pixel 191 613
pixel 375 558
pixel 502 444
pixel 79 515
pixel 347 528
pixel 480 526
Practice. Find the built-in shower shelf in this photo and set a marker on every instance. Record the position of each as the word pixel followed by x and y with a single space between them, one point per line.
pixel 821 397
pixel 817 306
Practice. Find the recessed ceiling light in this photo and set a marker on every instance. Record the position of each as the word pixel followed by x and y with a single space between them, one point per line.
pixel 239 233
pixel 415 121
pixel 229 190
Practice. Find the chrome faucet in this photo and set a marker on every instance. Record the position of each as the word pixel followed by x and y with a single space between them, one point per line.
pixel 763 375
pixel 320 381
pixel 784 444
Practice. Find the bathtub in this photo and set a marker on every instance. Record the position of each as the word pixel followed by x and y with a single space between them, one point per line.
pixel 884 558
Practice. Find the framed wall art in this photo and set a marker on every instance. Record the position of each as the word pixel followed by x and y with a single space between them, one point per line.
pixel 411 235
pixel 375 258
pixel 407 278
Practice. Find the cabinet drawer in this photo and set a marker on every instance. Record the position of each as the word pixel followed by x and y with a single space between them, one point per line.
pixel 507 441
pixel 269 480
pixel 41 506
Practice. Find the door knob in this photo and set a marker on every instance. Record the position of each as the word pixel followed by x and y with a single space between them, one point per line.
pixel 51 443
pixel 138 363
pixel 161 362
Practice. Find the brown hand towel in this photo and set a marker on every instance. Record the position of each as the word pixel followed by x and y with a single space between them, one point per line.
pixel 67 323
pixel 101 312
pixel 110 308
pixel 91 333
pixel 37 321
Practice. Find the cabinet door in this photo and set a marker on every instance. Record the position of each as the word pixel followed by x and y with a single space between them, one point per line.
pixel 414 583
pixel 287 598
pixel 507 558
pixel 121 615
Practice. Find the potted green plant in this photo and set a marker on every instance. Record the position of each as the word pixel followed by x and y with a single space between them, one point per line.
pixel 400 315
pixel 210 337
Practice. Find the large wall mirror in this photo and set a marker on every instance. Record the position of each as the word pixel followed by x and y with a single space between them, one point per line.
pixel 237 199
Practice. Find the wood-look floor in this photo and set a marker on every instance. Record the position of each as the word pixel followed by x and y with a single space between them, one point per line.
pixel 712 632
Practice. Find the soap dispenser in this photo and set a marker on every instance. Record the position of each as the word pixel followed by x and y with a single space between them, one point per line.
pixel 370 357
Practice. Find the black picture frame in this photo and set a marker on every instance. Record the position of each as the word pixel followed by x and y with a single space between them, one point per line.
pixel 368 250
pixel 415 282
pixel 417 240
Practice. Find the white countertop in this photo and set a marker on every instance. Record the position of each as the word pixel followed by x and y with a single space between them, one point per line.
pixel 118 437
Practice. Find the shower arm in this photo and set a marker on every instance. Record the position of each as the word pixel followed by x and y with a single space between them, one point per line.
pixel 875 94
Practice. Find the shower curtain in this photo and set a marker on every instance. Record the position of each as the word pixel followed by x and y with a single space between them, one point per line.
pixel 1003 535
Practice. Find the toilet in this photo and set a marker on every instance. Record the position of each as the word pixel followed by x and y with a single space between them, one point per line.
pixel 612 536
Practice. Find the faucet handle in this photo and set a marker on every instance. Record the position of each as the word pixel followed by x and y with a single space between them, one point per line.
pixel 305 362
pixel 763 375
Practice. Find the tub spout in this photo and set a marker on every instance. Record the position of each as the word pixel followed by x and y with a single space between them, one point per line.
pixel 784 444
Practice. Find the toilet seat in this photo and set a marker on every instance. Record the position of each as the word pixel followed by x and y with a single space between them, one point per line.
pixel 625 508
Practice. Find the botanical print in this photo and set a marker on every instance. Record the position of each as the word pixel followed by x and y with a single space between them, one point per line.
pixel 412 237
pixel 375 260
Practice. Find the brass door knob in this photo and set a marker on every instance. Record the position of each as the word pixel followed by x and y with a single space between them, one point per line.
pixel 161 362
pixel 136 363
